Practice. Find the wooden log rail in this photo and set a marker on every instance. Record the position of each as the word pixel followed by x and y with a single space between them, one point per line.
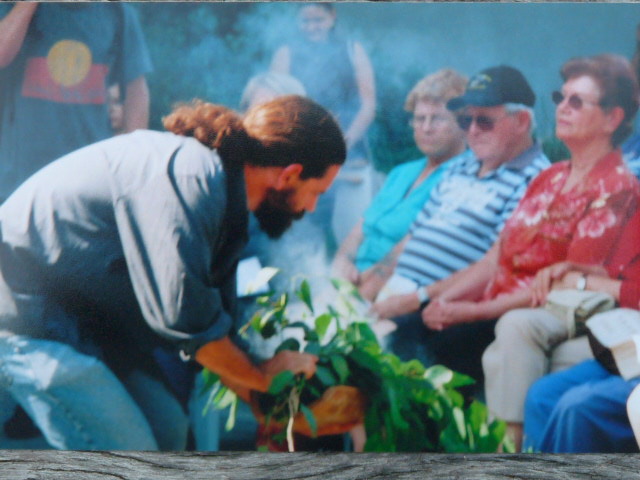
pixel 73 465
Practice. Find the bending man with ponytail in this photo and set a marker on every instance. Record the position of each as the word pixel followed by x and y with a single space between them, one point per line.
pixel 130 245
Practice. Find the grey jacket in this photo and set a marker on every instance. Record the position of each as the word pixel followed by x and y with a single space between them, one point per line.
pixel 132 241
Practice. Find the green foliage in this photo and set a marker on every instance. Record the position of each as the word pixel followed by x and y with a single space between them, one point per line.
pixel 410 407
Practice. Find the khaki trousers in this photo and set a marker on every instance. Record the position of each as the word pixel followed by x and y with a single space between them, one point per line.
pixel 529 343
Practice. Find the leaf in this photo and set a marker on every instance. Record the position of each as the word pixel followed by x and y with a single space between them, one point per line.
pixel 209 379
pixel 450 440
pixel 312 348
pixel 281 381
pixel 458 418
pixel 394 410
pixel 413 368
pixel 282 302
pixel 311 336
pixel 260 322
pixel 211 398
pixel 256 321
pixel 341 367
pixel 304 294
pixel 269 329
pixel 224 398
pixel 438 375
pixel 450 397
pixel 338 283
pixel 460 380
pixel 364 360
pixel 289 344
pixel 301 325
pixel 261 279
pixel 322 324
pixel 263 300
pixel 325 376
pixel 308 414
pixel 361 336
pixel 365 332
pixel 498 436
pixel 345 287
pixel 231 419
pixel 477 416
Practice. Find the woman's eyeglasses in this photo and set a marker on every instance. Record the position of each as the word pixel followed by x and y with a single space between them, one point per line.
pixel 483 122
pixel 573 100
pixel 418 121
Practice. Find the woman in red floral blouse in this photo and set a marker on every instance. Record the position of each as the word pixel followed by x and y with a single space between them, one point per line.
pixel 567 225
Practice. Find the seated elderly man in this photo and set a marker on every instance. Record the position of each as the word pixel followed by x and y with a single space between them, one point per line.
pixel 465 214
pixel 379 234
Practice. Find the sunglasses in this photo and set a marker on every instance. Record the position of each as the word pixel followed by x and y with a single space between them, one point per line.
pixel 574 101
pixel 483 122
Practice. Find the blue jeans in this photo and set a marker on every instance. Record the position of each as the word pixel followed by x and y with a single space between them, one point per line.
pixel 579 410
pixel 79 404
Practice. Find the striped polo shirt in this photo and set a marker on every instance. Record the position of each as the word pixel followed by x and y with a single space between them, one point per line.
pixel 464 215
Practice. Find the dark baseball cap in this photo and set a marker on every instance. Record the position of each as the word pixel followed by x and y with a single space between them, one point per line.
pixel 495 86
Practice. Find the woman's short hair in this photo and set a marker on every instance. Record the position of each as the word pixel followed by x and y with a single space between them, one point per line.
pixel 289 129
pixel 278 83
pixel 439 87
pixel 617 81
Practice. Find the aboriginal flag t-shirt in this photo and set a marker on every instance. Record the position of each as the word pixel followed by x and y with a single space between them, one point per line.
pixel 53 95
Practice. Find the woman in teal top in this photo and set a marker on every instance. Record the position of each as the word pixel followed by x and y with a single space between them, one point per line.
pixel 374 243
pixel 392 211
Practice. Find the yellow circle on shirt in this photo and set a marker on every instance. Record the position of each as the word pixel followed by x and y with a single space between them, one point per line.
pixel 69 62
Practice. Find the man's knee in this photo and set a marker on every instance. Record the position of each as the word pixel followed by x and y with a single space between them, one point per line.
pixel 514 324
pixel 526 326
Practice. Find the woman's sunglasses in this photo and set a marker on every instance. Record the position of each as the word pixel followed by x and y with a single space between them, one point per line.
pixel 573 100
pixel 483 122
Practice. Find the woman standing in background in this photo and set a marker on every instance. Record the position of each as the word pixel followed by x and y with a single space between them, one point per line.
pixel 337 73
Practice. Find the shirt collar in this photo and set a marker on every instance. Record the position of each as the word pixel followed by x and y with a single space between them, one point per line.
pixel 520 162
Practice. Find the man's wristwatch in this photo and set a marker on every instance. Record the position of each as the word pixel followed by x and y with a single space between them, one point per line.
pixel 423 296
pixel 581 283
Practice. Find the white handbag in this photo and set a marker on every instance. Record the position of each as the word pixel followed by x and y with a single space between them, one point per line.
pixel 574 307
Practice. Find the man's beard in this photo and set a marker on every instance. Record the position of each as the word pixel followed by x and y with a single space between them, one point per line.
pixel 274 214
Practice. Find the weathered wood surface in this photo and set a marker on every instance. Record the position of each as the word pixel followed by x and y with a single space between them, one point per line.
pixel 71 465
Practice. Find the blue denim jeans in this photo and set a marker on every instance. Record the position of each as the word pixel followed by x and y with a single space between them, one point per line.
pixel 7 407
pixel 79 404
pixel 580 410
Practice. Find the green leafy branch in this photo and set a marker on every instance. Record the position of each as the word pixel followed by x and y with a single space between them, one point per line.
pixel 410 407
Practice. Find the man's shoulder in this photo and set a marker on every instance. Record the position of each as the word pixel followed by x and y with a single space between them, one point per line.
pixel 463 163
pixel 532 159
pixel 464 158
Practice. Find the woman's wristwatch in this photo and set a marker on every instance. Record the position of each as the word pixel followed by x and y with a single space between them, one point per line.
pixel 581 283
